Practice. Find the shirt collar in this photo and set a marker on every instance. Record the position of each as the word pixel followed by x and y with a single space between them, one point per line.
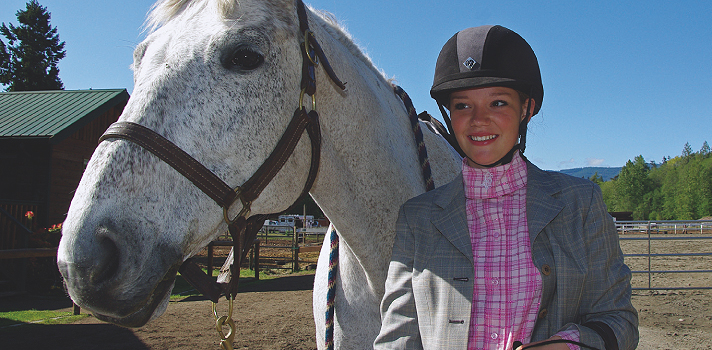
pixel 496 181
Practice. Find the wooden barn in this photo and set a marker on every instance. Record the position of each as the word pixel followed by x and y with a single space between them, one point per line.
pixel 46 140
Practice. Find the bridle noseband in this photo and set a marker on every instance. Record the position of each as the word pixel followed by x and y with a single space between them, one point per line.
pixel 243 228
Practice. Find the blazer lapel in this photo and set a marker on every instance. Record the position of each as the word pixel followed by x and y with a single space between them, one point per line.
pixel 542 206
pixel 452 222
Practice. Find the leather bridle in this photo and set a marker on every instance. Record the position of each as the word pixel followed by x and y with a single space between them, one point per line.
pixel 243 228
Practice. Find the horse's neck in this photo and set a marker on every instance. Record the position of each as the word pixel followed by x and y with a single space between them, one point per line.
pixel 369 161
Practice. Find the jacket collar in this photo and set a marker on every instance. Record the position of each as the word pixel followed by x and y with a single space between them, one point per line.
pixel 542 208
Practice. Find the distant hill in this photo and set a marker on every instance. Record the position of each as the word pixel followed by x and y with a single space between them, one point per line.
pixel 606 173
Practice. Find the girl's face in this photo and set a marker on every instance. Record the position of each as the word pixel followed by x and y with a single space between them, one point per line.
pixel 486 122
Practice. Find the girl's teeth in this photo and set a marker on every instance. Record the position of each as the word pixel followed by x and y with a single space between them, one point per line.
pixel 481 138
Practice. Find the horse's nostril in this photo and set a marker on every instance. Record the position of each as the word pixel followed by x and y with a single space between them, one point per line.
pixel 107 261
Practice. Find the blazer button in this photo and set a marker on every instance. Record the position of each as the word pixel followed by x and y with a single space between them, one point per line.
pixel 543 313
pixel 546 270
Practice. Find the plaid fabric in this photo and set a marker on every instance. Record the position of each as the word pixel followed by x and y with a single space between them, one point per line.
pixel 507 286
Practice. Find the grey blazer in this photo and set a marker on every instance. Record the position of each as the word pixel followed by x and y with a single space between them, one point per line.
pixel 428 296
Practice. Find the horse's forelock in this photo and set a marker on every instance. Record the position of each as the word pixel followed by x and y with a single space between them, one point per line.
pixel 165 10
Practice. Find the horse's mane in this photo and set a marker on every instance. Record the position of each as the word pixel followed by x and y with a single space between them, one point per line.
pixel 163 11
pixel 342 35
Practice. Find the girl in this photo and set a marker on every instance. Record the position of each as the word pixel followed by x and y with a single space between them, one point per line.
pixel 505 253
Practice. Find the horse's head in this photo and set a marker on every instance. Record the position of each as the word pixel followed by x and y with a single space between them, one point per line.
pixel 221 80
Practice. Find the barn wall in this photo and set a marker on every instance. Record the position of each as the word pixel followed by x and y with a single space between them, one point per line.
pixel 23 186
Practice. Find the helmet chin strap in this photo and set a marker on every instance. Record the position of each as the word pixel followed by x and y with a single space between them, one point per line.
pixel 504 160
pixel 507 157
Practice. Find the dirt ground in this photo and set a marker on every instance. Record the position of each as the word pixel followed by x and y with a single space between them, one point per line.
pixel 274 314
pixel 672 319
pixel 277 314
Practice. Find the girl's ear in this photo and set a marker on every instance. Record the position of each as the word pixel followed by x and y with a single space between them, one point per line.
pixel 532 106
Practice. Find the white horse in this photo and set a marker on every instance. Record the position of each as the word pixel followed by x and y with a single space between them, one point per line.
pixel 220 79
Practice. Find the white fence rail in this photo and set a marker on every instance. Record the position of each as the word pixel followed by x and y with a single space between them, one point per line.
pixel 668 252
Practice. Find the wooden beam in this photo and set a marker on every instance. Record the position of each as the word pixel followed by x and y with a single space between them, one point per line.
pixel 28 253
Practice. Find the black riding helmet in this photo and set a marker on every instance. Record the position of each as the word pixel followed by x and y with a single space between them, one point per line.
pixel 482 57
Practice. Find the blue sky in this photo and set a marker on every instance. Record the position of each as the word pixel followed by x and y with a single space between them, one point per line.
pixel 621 78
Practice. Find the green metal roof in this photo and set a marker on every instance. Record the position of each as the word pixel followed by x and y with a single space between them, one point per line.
pixel 53 114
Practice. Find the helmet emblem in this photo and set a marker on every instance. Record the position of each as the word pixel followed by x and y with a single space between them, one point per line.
pixel 471 64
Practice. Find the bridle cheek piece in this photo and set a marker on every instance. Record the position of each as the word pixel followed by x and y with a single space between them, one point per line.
pixel 243 228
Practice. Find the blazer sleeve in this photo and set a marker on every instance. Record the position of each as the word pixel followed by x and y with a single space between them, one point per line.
pixel 399 319
pixel 608 314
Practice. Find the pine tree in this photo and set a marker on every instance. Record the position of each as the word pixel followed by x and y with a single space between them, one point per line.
pixel 597 179
pixel 687 150
pixel 29 61
pixel 705 150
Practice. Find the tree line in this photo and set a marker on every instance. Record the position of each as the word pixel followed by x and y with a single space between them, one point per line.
pixel 679 188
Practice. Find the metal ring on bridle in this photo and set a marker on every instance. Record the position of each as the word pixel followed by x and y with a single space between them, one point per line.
pixel 245 211
pixel 315 59
pixel 301 99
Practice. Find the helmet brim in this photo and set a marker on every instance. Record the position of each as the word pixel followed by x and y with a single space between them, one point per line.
pixel 473 80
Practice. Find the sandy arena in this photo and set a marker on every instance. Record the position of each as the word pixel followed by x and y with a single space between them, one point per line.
pixel 277 314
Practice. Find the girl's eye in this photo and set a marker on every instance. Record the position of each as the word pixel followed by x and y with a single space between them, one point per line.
pixel 499 103
pixel 460 106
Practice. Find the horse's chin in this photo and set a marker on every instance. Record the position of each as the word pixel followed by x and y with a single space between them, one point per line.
pixel 155 305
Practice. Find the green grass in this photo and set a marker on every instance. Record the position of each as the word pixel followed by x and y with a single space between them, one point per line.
pixel 10 318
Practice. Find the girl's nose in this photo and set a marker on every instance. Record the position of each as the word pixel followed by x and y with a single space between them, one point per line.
pixel 479 116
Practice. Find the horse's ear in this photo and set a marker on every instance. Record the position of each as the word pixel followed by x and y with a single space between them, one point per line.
pixel 227 8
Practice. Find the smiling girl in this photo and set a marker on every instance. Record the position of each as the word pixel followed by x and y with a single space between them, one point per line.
pixel 506 253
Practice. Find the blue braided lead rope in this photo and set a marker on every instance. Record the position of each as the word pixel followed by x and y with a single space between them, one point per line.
pixel 331 293
pixel 334 238
pixel 419 143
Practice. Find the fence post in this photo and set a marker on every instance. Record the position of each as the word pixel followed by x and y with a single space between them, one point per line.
pixel 295 250
pixel 256 250
pixel 650 278
pixel 210 259
pixel 251 259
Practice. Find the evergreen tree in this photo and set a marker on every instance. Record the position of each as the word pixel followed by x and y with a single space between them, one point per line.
pixel 29 61
pixel 687 150
pixel 705 150
pixel 597 179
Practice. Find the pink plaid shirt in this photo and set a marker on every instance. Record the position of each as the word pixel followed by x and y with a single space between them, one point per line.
pixel 507 285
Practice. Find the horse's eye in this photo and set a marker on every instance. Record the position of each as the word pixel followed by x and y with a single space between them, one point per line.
pixel 246 59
